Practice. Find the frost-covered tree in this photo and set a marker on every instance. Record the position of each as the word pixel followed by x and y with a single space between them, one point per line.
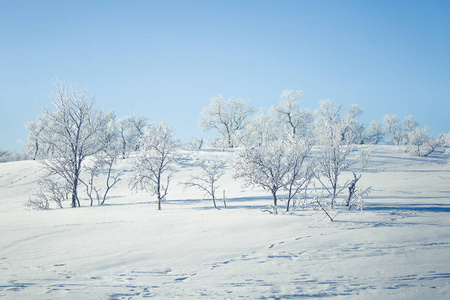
pixel 410 123
pixel 301 171
pixel 375 134
pixel 138 126
pixel 228 118
pixel 353 129
pixel 207 181
pixel 332 157
pixel 275 166
pixel 410 126
pixel 123 128
pixel 421 143
pixel 297 121
pixel 393 129
pixel 194 144
pixel 130 130
pixel 153 165
pixel 6 155
pixel 73 131
pixel 445 141
pixel 262 129
pixel 329 114
pixel 35 145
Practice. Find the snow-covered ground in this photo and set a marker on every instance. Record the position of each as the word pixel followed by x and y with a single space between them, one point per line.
pixel 397 248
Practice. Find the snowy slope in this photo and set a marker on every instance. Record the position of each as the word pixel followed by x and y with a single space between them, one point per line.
pixel 397 248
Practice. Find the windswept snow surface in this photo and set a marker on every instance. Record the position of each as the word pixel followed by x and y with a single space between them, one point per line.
pixel 397 248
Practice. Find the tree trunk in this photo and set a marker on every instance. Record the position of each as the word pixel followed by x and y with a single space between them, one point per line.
pixel 158 190
pixel 224 201
pixel 75 201
pixel 36 151
pixel 214 201
pixel 274 194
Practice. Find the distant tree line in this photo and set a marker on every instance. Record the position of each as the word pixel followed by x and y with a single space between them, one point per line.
pixel 236 124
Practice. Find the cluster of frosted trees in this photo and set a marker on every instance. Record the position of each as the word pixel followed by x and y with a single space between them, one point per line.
pixel 75 143
pixel 283 149
pixel 292 151
pixel 281 158
pixel 238 124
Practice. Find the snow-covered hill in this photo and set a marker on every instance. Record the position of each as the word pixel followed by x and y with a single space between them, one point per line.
pixel 397 248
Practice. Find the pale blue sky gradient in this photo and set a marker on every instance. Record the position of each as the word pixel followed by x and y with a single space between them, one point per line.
pixel 166 59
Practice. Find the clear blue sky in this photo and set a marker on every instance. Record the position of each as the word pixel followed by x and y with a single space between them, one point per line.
pixel 166 59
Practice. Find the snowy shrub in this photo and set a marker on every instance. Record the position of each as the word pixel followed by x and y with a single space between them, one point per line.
pixel 49 190
pixel 207 181
pixel 355 199
pixel 364 157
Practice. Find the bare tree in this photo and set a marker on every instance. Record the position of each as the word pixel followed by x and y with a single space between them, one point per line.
pixel 332 157
pixel 73 132
pixel 153 163
pixel 229 118
pixel 301 171
pixel 351 188
pixel 207 182
pixel 103 164
pixel 356 199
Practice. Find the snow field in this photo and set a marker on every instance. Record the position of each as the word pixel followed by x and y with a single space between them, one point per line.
pixel 397 248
